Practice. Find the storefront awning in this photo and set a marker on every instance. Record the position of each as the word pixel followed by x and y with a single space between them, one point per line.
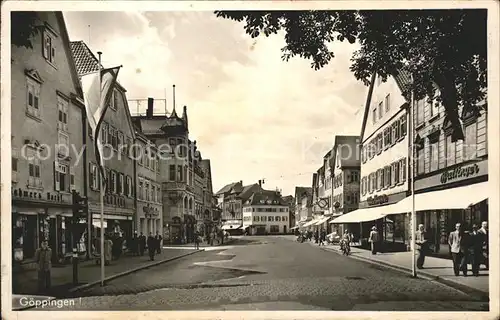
pixel 454 198
pixel 322 220
pixel 362 215
pixel 310 223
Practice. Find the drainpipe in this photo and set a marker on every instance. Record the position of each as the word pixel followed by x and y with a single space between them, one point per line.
pixel 134 193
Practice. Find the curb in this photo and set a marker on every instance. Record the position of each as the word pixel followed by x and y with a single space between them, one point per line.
pixel 421 274
pixel 91 284
pixel 121 274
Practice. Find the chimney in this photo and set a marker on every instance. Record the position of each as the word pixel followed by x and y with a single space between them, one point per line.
pixel 260 183
pixel 149 112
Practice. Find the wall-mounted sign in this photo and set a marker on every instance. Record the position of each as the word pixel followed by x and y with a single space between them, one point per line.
pixel 460 172
pixel 453 174
pixel 379 199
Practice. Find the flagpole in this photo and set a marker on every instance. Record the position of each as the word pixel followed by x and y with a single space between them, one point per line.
pixel 102 190
pixel 412 168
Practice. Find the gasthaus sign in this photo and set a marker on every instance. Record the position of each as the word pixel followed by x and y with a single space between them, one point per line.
pixel 456 173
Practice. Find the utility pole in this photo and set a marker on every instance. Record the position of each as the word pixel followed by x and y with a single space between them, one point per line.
pixel 79 211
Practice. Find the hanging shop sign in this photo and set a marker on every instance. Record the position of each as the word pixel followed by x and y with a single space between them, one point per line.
pixel 378 199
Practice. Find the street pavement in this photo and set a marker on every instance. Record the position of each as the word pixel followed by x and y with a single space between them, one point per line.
pixel 272 273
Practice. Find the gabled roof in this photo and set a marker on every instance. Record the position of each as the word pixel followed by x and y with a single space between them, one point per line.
pixel 265 197
pixel 227 188
pixel 247 191
pixel 301 192
pixel 67 51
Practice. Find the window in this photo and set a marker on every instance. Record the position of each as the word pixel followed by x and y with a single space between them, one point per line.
pixel 395 131
pixel 470 143
pixel 146 158
pixel 387 137
pixel 113 102
pixel 450 151
pixel 434 156
pixel 127 186
pixel 387 177
pixel 15 162
pixel 180 171
pixel 158 196
pixel 263 218
pixel 374 115
pixel 363 186
pixel 104 133
pixel 145 195
pixel 402 168
pixel 354 176
pixel 153 193
pixel 434 108
pixel 113 182
pixel 33 98
pixel 61 177
pixel 380 110
pixel 419 110
pixel 270 218
pixel 420 161
pixel 121 141
pixel 171 172
pixel 277 218
pixel 379 143
pixel 363 154
pixel 381 178
pixel 369 186
pixel 49 49
pixel 120 187
pixel 62 121
pixel 387 102
pixel 275 229
pixel 141 192
pixel 129 147
pixel 63 144
pixel 379 80
pixel 403 127
pixel 255 218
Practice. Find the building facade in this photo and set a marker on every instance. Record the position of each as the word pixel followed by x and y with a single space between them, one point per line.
pixel 149 217
pixel 303 205
pixel 117 136
pixel 346 179
pixel 47 142
pixel 290 201
pixel 450 170
pixel 265 212
pixel 384 156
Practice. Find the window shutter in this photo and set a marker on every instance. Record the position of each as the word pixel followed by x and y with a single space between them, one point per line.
pixel 52 53
pixel 56 177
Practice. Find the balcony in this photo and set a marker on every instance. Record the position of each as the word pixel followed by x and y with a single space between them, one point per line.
pixel 179 186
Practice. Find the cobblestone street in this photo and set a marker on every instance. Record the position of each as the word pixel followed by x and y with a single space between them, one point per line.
pixel 274 273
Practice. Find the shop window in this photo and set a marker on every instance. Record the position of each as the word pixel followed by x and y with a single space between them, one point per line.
pixel 275 229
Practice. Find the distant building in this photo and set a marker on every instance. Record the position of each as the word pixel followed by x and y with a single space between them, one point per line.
pixel 265 212
pixel 48 117
pixel 303 205
pixel 290 201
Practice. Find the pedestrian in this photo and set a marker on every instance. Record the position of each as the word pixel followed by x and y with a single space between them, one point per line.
pixel 134 244
pixel 196 240
pixel 484 233
pixel 142 243
pixel 373 239
pixel 108 249
pixel 151 246
pixel 457 241
pixel 476 253
pixel 159 244
pixel 43 256
pixel 322 237
pixel 421 245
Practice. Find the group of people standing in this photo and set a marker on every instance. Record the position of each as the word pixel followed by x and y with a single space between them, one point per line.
pixel 138 244
pixel 466 246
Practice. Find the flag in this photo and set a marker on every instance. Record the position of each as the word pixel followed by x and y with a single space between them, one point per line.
pixel 97 90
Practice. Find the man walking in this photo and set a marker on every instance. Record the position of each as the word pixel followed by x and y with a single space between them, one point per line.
pixel 151 246
pixel 322 237
pixel 43 256
pixel 421 245
pixel 142 243
pixel 484 233
pixel 477 248
pixel 458 249
pixel 159 244
pixel 196 240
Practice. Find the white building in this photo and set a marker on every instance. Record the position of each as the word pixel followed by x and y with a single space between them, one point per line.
pixel 265 212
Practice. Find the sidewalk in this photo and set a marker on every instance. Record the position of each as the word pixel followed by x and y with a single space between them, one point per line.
pixel 89 271
pixel 203 244
pixel 435 268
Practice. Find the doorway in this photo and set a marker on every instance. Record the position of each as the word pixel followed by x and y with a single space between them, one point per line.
pixel 284 229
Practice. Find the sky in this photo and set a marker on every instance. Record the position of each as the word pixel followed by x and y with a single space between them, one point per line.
pixel 252 114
